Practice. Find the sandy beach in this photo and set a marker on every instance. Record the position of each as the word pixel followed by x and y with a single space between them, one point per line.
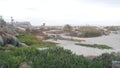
pixel 112 40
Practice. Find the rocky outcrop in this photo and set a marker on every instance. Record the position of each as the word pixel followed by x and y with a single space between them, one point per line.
pixel 8 39
pixel 7 35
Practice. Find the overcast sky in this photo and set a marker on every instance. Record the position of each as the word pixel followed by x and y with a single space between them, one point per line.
pixel 61 12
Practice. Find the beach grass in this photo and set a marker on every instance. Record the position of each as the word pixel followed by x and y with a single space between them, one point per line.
pixel 99 46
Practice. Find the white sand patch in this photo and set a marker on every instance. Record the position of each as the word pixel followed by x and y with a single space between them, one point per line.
pixel 110 40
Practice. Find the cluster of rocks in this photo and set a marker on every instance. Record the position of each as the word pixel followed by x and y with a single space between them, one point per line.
pixel 10 40
pixel 7 35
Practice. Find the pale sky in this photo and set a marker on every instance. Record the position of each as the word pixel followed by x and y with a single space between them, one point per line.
pixel 61 12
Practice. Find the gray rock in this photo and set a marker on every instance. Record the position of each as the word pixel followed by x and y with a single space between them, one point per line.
pixel 5 39
pixel 14 41
pixel 22 45
pixel 1 41
pixel 9 39
pixel 24 65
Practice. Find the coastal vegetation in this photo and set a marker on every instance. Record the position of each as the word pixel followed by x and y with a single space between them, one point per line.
pixel 68 28
pixel 57 57
pixel 99 46
pixel 33 41
pixel 51 58
pixel 112 28
pixel 89 31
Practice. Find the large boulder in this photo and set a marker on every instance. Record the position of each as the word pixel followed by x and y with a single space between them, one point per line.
pixel 5 39
pixel 13 41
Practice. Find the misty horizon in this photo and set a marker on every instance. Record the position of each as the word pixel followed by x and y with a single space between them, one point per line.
pixel 61 12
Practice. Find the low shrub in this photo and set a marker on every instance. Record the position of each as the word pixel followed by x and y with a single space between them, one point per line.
pixel 112 28
pixel 88 31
